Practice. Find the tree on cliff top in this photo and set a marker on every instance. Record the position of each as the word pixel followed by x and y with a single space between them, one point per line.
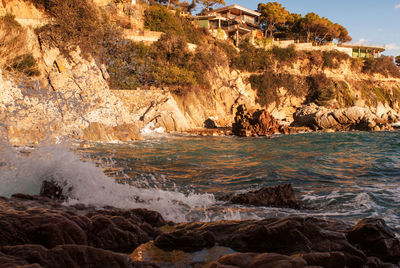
pixel 320 29
pixel 272 15
pixel 208 4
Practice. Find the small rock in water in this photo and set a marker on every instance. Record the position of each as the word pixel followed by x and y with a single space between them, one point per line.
pixel 258 123
pixel 279 196
pixel 52 190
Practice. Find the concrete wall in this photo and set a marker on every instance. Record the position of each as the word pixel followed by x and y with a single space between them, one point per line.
pixel 147 37
pixel 310 46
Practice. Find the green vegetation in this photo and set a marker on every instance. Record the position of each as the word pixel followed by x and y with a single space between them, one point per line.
pixel 275 19
pixel 161 19
pixel 343 94
pixel 250 58
pixel 169 63
pixel 13 46
pixel 208 4
pixel 333 58
pixel 284 55
pixel 318 89
pixel 322 90
pixel 268 84
pixel 383 65
pixel 25 64
pixel 272 15
pixel 76 24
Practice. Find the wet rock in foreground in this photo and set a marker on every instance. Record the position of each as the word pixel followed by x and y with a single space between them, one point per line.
pixel 376 239
pixel 278 196
pixel 306 241
pixel 38 231
pixel 273 260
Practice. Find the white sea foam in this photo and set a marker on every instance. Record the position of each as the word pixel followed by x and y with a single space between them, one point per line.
pixel 150 129
pixel 24 173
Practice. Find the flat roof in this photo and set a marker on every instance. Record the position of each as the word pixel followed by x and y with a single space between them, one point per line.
pixel 238 7
pixel 379 48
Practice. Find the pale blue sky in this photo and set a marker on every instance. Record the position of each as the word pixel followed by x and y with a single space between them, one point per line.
pixel 374 22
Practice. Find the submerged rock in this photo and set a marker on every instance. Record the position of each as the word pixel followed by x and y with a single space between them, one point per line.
pixel 279 196
pixel 258 123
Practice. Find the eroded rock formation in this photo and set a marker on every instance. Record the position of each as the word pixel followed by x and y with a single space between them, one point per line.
pixel 353 118
pixel 257 123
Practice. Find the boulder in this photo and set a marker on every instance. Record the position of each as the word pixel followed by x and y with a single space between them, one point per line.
pixel 279 196
pixel 351 118
pixel 63 256
pixel 257 123
pixel 40 220
pixel 376 239
pixel 286 236
pixel 185 240
pixel 254 260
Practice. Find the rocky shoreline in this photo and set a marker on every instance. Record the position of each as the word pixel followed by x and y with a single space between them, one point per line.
pixel 312 118
pixel 39 231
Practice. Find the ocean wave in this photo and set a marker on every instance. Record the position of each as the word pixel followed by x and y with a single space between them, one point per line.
pixel 24 173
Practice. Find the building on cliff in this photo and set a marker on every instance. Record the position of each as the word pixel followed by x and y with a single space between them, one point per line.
pixel 361 51
pixel 231 21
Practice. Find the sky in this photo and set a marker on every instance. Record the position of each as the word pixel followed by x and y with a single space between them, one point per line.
pixel 369 22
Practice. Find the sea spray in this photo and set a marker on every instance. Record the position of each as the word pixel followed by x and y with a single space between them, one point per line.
pixel 24 173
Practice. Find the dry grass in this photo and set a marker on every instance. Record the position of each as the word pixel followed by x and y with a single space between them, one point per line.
pixel 76 24
pixel 12 40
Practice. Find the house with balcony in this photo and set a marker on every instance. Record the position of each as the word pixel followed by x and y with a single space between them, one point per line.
pixel 361 51
pixel 234 20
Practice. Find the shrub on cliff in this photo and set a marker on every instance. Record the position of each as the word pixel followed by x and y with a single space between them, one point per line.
pixel 285 55
pixel 251 59
pixel 12 40
pixel 333 58
pixel 160 18
pixel 373 92
pixel 128 63
pixel 322 89
pixel 326 91
pixel 269 84
pixel 383 65
pixel 25 64
pixel 76 23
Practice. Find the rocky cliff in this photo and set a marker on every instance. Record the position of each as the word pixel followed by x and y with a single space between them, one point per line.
pixel 72 97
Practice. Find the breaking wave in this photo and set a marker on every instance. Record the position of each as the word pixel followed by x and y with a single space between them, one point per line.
pixel 23 171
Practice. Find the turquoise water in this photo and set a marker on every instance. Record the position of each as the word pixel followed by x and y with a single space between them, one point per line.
pixel 348 176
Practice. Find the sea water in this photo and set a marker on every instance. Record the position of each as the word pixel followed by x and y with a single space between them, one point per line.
pixel 347 176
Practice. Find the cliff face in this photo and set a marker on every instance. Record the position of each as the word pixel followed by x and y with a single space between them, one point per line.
pixel 71 98
pixel 74 100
